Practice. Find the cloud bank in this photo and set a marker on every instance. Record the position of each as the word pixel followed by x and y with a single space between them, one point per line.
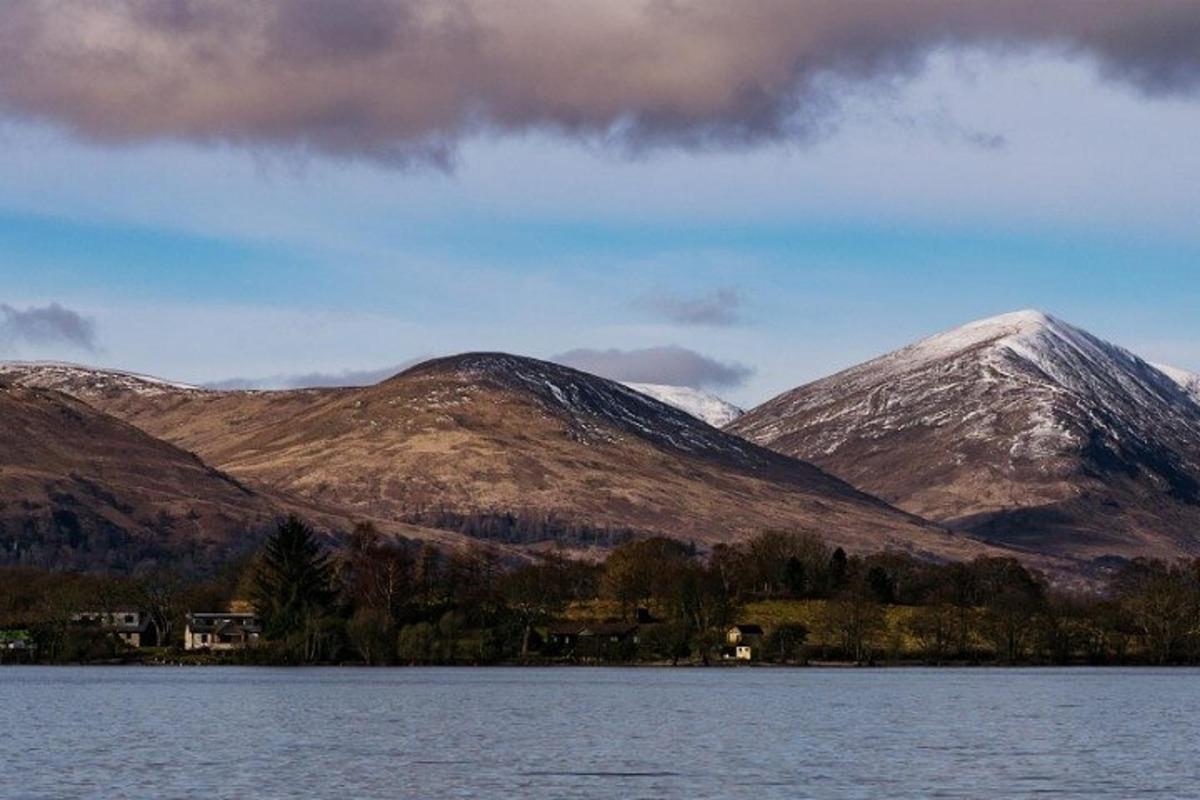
pixel 314 380
pixel 675 366
pixel 398 80
pixel 45 325
pixel 718 308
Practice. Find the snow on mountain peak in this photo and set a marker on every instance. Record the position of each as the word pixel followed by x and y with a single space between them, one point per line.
pixel 1188 381
pixel 1040 384
pixel 702 405
pixel 1026 320
pixel 1063 356
pixel 1016 328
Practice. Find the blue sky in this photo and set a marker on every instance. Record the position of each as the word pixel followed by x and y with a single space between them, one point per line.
pixel 986 184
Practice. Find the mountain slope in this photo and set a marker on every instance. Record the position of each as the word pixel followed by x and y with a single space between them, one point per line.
pixel 488 433
pixel 1020 428
pixel 80 489
pixel 701 405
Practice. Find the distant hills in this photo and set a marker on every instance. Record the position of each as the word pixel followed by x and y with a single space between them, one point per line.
pixel 1017 435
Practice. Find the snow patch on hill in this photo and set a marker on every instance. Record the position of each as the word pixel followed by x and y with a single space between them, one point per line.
pixel 1188 381
pixel 80 381
pixel 702 405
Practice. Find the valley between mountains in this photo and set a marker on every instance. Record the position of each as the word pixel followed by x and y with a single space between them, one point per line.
pixel 1020 435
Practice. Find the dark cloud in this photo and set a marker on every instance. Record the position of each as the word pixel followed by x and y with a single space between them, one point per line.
pixel 719 307
pixel 407 79
pixel 45 325
pixel 675 366
pixel 312 380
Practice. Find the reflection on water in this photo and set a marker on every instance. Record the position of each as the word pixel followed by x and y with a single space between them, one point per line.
pixel 596 733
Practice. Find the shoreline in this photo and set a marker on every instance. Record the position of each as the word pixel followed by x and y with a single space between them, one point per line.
pixel 657 666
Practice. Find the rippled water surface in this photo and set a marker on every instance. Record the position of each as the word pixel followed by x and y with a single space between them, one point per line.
pixel 606 733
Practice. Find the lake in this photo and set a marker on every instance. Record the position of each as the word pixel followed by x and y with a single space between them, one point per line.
pixel 216 732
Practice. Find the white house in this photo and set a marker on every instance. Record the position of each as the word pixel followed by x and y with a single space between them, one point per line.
pixel 221 631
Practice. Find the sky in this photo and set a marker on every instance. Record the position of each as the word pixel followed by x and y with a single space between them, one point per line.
pixel 890 175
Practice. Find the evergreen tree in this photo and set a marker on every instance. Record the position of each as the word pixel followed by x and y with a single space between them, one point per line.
pixel 839 570
pixel 294 580
pixel 881 585
pixel 794 578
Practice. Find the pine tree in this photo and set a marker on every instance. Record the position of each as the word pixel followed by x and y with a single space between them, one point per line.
pixel 839 570
pixel 294 580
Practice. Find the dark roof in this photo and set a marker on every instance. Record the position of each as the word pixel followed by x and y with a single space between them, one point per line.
pixel 109 622
pixel 564 628
pixel 608 629
pixel 215 622
pixel 749 630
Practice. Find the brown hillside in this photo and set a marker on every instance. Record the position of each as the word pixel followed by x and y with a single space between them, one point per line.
pixel 498 433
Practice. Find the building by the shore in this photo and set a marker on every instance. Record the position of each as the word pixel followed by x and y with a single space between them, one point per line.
pixel 132 626
pixel 222 631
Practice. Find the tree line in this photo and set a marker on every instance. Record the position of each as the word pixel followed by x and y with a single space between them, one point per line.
pixel 379 600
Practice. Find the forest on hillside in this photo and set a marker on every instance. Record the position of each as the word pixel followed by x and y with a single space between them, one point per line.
pixel 382 601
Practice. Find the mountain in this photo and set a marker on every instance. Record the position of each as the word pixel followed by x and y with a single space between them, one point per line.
pixel 1188 381
pixel 80 489
pixel 1021 429
pixel 701 405
pixel 526 450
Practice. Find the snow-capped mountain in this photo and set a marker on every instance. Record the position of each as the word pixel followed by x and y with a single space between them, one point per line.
pixel 1188 381
pixel 701 405
pixel 1021 427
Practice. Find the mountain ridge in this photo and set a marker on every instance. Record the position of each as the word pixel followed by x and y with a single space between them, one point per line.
pixel 495 433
